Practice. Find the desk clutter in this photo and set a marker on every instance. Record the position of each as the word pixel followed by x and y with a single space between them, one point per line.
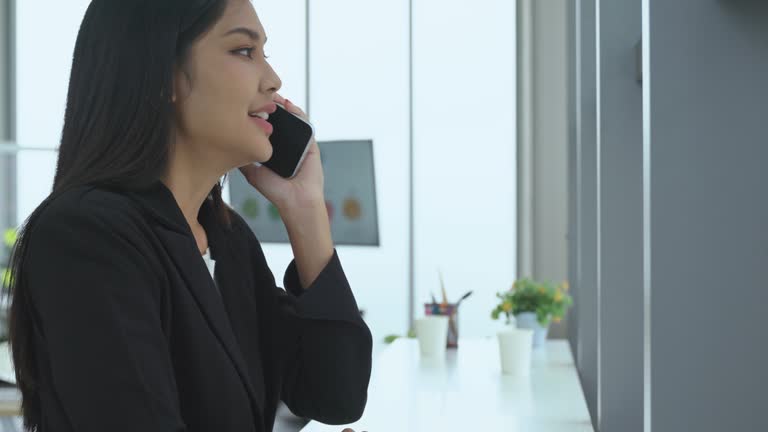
pixel 529 307
pixel 431 324
pixel 447 309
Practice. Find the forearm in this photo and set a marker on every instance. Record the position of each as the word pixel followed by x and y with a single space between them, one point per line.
pixel 330 382
pixel 309 231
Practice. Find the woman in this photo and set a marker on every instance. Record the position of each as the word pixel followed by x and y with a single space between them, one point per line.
pixel 116 323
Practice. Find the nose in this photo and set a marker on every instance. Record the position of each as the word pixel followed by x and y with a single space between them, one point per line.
pixel 271 82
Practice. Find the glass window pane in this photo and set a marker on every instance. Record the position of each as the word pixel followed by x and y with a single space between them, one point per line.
pixel 34 177
pixel 464 157
pixel 43 63
pixel 359 90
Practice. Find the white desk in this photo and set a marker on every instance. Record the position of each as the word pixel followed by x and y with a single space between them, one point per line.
pixel 467 392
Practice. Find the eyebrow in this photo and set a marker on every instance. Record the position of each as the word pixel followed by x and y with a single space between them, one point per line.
pixel 254 35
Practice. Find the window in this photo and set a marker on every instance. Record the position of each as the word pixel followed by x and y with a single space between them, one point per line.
pixel 450 101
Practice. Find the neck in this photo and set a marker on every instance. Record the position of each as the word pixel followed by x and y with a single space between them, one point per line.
pixel 191 179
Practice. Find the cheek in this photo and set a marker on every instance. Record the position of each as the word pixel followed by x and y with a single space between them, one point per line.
pixel 215 117
pixel 217 107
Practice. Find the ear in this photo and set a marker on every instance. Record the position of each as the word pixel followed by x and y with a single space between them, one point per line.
pixel 180 84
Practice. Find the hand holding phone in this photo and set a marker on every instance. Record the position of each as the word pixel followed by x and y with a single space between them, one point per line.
pixel 295 174
pixel 291 138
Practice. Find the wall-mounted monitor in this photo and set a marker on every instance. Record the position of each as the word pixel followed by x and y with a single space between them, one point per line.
pixel 350 193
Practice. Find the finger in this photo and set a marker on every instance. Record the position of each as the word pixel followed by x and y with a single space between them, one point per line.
pixel 347 430
pixel 290 106
pixel 314 147
pixel 293 107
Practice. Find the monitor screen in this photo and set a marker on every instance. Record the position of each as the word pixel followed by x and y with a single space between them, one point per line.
pixel 350 194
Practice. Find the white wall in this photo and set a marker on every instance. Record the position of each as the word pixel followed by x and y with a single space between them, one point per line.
pixel 359 88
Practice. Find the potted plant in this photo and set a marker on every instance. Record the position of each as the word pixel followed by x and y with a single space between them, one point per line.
pixel 534 305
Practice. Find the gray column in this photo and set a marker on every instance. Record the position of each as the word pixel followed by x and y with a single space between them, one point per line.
pixel 544 165
pixel 5 66
pixel 586 182
pixel 573 173
pixel 7 117
pixel 706 147
pixel 620 257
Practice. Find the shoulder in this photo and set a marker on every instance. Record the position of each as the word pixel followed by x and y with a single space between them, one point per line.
pixel 89 227
pixel 94 242
pixel 89 202
pixel 88 210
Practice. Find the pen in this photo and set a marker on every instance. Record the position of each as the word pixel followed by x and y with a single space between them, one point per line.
pixel 469 293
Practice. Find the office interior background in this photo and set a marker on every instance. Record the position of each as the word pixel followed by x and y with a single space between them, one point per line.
pixel 616 144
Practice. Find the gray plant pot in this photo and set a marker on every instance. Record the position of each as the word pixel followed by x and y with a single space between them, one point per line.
pixel 528 320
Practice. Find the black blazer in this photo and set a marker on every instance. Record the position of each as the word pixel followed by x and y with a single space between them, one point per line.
pixel 133 335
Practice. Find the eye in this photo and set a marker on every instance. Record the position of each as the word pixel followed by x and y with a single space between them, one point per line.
pixel 248 50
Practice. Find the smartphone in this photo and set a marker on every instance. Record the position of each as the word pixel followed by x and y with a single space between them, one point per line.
pixel 291 136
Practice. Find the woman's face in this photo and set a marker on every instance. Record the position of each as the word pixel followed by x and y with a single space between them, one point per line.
pixel 224 82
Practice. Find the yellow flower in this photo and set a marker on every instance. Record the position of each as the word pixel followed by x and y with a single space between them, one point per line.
pixel 565 286
pixel 558 296
pixel 541 290
pixel 556 320
pixel 506 306
pixel 9 237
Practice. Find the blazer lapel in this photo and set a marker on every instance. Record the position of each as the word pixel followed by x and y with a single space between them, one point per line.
pixel 175 234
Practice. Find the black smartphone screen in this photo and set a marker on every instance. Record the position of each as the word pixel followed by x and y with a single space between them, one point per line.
pixel 290 139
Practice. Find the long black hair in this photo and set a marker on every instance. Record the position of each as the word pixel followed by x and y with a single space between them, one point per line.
pixel 117 132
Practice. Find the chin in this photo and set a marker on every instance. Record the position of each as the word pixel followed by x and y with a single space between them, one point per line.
pixel 258 151
pixel 264 156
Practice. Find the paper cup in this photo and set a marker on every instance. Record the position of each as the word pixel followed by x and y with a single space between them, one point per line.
pixel 432 332
pixel 515 349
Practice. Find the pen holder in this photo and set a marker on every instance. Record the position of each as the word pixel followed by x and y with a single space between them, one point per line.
pixel 451 312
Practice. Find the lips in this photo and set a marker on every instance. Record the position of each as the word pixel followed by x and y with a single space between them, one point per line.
pixel 260 116
pixel 263 124
pixel 266 109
